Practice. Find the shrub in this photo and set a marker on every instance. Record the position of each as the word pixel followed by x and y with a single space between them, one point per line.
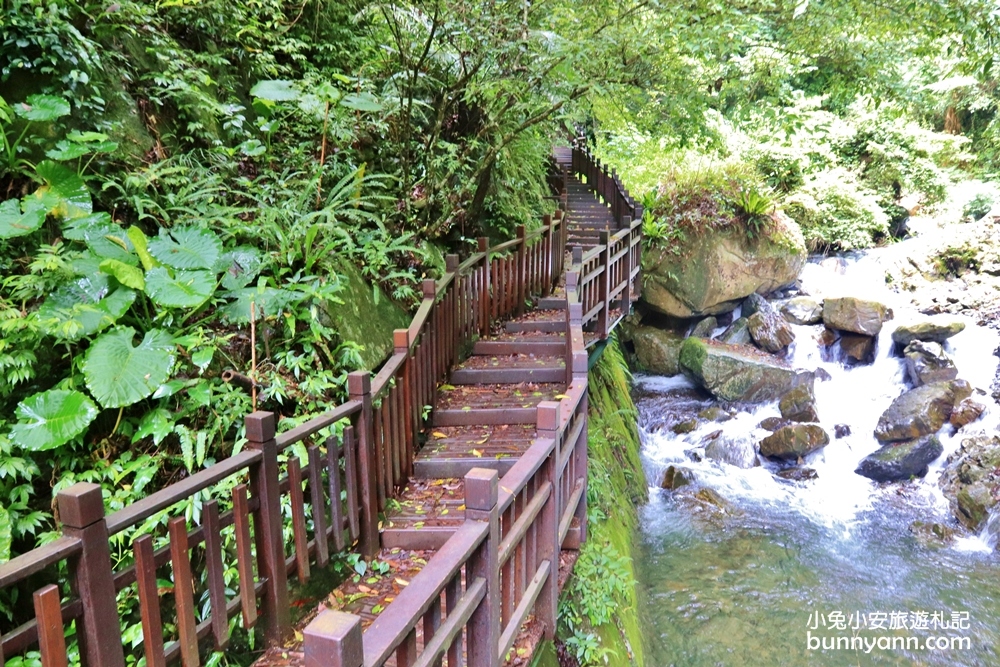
pixel 836 212
pixel 978 206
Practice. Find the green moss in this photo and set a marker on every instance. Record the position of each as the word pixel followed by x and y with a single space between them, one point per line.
pixel 694 351
pixel 616 486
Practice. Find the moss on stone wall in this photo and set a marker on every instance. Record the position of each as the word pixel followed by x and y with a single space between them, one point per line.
pixel 603 583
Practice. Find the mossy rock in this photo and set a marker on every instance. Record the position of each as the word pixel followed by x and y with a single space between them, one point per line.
pixel 736 372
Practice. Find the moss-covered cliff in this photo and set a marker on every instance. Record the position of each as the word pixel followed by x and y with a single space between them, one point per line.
pixel 598 619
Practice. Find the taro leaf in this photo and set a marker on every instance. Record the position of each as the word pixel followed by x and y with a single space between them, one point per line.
pixel 65 150
pixel 119 374
pixel 158 423
pixel 241 266
pixel 140 243
pixel 187 248
pixel 186 289
pixel 129 276
pixel 361 102
pixel 42 108
pixel 66 184
pixel 268 302
pixel 52 418
pixel 276 90
pixel 83 307
pixel 15 223
pixel 105 238
pixel 5 534
pixel 203 357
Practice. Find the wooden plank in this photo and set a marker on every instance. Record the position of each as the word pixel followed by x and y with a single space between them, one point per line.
pixel 486 416
pixel 524 608
pixel 216 575
pixel 452 627
pixel 299 535
pixel 353 483
pixel 468 376
pixel 51 637
pixel 427 468
pixel 318 504
pixel 183 592
pixel 244 557
pixel 428 537
pixel 36 560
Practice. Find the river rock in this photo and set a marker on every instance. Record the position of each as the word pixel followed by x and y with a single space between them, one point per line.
pixel 705 327
pixel 753 304
pixel 971 479
pixel 858 348
pixel 901 461
pixel 803 310
pixel 927 363
pixel 770 331
pixel 685 426
pixel 736 333
pixel 841 431
pixel 799 405
pixel 712 271
pixel 855 315
pixel 794 441
pixel 675 477
pixel 937 330
pixel 921 411
pixel 797 474
pixel 656 350
pixel 772 424
pixel 966 412
pixel 734 451
pixel 932 533
pixel 714 414
pixel 736 372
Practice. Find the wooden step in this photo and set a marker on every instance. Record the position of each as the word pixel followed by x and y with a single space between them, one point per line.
pixel 537 347
pixel 536 325
pixel 551 303
pixel 509 369
pixel 437 468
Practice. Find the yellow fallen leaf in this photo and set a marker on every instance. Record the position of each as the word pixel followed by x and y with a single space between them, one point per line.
pixel 437 482
pixel 402 582
pixel 476 452
pixel 561 396
pixel 439 434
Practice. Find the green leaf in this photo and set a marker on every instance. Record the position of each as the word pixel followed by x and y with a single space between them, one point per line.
pixel 83 307
pixel 187 248
pixel 275 90
pixel 241 266
pixel 158 423
pixel 361 102
pixel 203 357
pixel 130 276
pixel 185 289
pixel 15 223
pixel 52 418
pixel 42 108
pixel 119 374
pixel 268 302
pixel 140 243
pixel 5 534
pixel 86 137
pixel 106 239
pixel 72 193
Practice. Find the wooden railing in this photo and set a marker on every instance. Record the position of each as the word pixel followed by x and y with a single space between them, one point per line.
pixel 498 568
pixel 356 456
pixel 605 184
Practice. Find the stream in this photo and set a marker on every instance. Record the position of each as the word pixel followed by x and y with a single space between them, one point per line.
pixel 783 566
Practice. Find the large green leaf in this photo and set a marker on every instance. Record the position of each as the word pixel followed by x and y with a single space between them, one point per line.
pixel 276 90
pixel 185 289
pixel 15 223
pixel 241 266
pixel 120 374
pixel 43 108
pixel 106 239
pixel 5 534
pixel 72 193
pixel 268 302
pixel 361 102
pixel 52 418
pixel 83 307
pixel 127 275
pixel 187 248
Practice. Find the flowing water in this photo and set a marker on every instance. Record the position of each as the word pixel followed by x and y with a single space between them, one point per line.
pixel 785 565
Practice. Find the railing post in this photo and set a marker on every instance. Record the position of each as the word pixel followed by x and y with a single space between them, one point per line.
pixel 546 278
pixel 334 639
pixel 81 511
pixel 546 608
pixel 401 345
pixel 626 302
pixel 359 387
pixel 604 286
pixel 581 465
pixel 484 298
pixel 483 635
pixel 275 613
pixel 522 278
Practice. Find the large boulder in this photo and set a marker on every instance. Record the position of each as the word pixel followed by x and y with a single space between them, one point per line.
pixel 736 372
pixel 857 348
pixel 920 411
pixel 736 333
pixel 656 350
pixel 900 461
pixel 733 451
pixel 966 412
pixel 971 481
pixel 794 441
pixel 803 310
pixel 770 331
pixel 855 315
pixel 937 330
pixel 927 363
pixel 710 272
pixel 799 405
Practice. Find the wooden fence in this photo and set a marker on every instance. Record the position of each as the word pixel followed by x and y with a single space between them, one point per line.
pixel 286 514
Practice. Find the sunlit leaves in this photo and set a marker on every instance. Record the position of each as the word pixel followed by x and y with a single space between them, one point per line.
pixel 52 418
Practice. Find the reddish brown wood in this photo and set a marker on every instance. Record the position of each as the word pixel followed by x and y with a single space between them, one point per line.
pixel 406 654
pixel 244 557
pixel 452 593
pixel 359 387
pixel 183 592
pixel 432 621
pixel 299 535
pixel 318 504
pixel 334 639
pixel 481 491
pixel 51 638
pixel 352 484
pixel 216 576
